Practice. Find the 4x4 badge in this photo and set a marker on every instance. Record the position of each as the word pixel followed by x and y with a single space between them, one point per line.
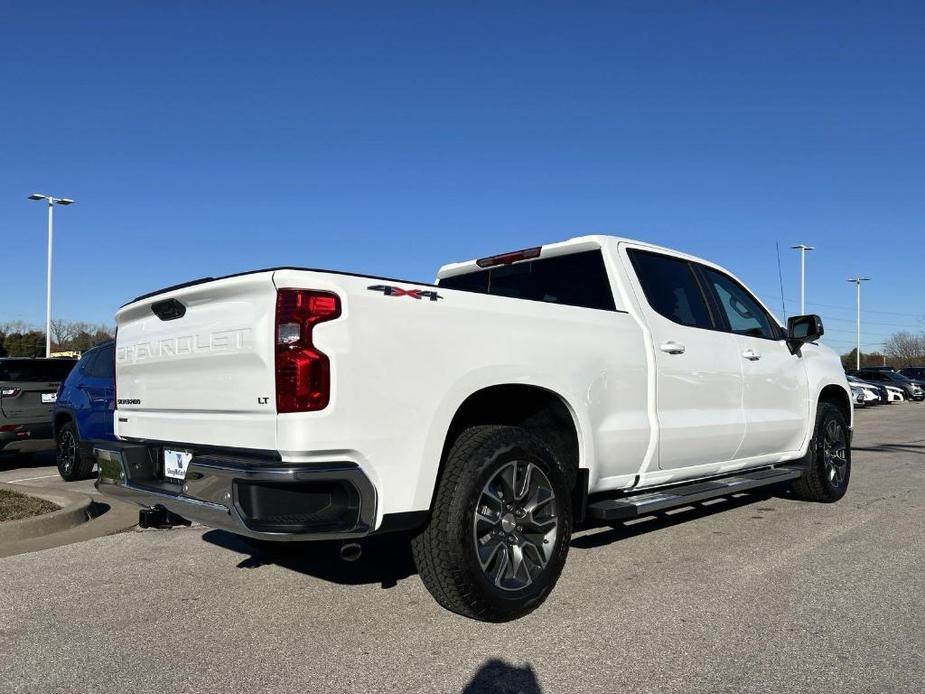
pixel 390 290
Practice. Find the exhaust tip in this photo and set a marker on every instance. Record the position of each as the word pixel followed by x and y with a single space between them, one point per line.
pixel 351 551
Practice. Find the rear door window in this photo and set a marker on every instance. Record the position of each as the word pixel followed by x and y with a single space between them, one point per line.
pixel 101 364
pixel 85 361
pixel 671 288
pixel 577 279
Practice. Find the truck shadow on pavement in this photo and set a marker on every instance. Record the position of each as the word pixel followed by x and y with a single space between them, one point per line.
pixel 913 447
pixel 387 559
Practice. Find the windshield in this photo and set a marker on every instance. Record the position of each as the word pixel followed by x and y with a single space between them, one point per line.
pixel 896 377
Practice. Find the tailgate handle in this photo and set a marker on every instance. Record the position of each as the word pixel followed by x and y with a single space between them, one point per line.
pixel 168 309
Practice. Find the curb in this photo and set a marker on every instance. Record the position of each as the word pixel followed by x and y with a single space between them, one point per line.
pixel 75 509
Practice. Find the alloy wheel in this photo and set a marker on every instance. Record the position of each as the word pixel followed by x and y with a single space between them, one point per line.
pixel 515 525
pixel 67 451
pixel 834 453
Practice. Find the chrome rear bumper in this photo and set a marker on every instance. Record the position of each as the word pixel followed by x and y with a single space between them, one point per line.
pixel 260 498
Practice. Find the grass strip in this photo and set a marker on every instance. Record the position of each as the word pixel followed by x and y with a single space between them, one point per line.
pixel 14 506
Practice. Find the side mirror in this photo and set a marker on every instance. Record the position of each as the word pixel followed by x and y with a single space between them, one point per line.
pixel 802 329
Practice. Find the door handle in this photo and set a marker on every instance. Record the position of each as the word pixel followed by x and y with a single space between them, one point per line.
pixel 751 355
pixel 672 347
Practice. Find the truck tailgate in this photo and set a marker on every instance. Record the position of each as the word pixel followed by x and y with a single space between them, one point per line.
pixel 199 359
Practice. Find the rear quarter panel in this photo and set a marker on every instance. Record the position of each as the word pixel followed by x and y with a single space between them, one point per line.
pixel 401 367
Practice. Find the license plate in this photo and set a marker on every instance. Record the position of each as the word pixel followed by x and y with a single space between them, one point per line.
pixel 175 463
pixel 48 398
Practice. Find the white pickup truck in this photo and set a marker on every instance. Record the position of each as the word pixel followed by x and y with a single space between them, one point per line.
pixel 597 378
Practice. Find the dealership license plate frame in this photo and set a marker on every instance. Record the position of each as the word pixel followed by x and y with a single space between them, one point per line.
pixel 176 462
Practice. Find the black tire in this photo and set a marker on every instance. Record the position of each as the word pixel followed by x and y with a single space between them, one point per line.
pixel 828 460
pixel 447 552
pixel 72 466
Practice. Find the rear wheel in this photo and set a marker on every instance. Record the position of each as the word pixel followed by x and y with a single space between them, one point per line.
pixel 828 460
pixel 71 464
pixel 500 527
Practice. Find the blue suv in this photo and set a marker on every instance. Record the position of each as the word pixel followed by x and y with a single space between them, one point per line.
pixel 83 411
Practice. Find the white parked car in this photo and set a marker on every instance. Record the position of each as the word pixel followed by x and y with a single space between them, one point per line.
pixel 873 393
pixel 871 396
pixel 895 394
pixel 858 396
pixel 488 413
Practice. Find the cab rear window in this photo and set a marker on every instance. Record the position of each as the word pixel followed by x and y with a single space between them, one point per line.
pixel 577 279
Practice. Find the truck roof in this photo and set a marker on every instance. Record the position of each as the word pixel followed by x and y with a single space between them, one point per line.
pixel 572 245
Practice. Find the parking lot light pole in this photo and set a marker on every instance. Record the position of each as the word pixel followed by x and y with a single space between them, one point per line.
pixel 802 247
pixel 52 201
pixel 857 353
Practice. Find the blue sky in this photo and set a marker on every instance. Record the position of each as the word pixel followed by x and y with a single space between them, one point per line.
pixel 388 138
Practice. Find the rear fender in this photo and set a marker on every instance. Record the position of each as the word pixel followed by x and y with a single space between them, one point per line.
pixel 472 383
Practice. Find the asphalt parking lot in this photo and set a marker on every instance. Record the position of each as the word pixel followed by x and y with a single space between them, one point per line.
pixel 760 593
pixel 34 466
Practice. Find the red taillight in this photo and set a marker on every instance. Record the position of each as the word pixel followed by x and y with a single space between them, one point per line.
pixel 303 373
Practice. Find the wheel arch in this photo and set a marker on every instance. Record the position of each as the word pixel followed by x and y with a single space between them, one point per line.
pixel 540 410
pixel 836 395
pixel 61 418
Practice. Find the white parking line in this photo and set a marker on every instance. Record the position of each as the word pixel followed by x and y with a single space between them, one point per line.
pixel 29 479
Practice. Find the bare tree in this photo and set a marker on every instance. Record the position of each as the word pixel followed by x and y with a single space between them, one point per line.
pixel 16 337
pixel 905 348
pixel 15 326
pixel 867 359
pixel 62 331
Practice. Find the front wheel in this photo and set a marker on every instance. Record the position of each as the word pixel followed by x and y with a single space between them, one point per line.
pixel 500 527
pixel 828 460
